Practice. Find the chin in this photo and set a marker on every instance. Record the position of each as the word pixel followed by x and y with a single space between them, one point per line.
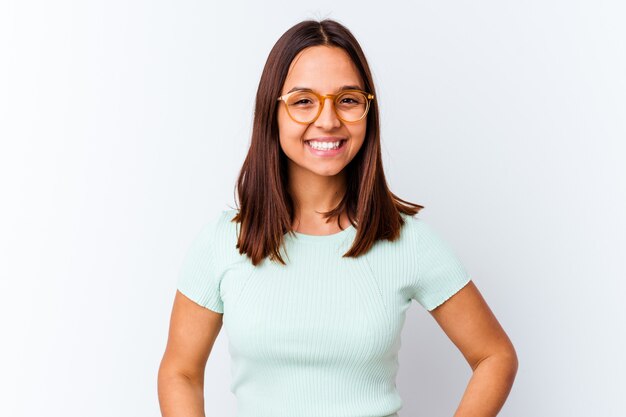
pixel 328 172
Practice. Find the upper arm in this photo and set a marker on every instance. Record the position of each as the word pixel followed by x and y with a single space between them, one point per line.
pixel 196 317
pixel 471 325
pixel 192 333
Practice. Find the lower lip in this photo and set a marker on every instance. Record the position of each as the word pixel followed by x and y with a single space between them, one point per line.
pixel 330 152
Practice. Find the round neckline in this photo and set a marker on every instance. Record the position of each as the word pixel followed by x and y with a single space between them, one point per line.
pixel 323 238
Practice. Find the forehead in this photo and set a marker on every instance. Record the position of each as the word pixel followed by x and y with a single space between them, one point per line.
pixel 322 68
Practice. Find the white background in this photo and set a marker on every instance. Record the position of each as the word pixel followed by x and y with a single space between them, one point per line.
pixel 124 124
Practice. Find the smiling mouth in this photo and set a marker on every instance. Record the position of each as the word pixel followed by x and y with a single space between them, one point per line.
pixel 326 146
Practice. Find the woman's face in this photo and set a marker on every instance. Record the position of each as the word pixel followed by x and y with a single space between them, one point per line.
pixel 325 70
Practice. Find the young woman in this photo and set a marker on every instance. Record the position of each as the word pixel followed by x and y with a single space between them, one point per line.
pixel 313 273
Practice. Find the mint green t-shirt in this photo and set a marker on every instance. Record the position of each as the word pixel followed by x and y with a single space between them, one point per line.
pixel 320 336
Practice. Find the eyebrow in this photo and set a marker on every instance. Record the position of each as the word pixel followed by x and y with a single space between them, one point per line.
pixel 343 88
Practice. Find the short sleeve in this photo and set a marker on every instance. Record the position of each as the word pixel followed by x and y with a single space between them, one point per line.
pixel 440 272
pixel 199 277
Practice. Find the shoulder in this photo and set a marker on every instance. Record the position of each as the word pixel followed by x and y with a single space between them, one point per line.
pixel 218 225
pixel 224 233
pixel 417 228
pixel 218 234
pixel 406 244
pixel 414 228
pixel 421 237
pixel 223 221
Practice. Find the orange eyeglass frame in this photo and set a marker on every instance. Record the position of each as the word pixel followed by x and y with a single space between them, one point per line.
pixel 322 98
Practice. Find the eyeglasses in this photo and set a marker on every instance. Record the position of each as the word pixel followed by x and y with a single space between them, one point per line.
pixel 305 106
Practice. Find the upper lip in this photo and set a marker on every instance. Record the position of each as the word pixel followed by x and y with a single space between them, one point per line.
pixel 325 139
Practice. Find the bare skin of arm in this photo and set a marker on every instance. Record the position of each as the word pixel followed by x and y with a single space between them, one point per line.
pixel 192 333
pixel 470 324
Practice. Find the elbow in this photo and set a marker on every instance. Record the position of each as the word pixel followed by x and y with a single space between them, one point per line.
pixel 503 361
pixel 508 363
pixel 511 362
pixel 171 370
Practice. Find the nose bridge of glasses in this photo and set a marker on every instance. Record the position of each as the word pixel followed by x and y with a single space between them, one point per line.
pixel 332 98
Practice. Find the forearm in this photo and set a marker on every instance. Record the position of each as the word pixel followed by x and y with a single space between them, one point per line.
pixel 488 387
pixel 180 396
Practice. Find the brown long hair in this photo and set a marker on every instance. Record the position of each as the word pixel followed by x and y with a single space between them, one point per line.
pixel 266 209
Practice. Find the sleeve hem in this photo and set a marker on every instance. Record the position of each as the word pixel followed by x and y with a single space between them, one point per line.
pixel 436 303
pixel 214 306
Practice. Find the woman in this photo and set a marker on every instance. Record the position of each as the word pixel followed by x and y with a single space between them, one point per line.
pixel 314 271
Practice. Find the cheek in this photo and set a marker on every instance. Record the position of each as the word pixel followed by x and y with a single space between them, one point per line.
pixel 358 134
pixel 290 134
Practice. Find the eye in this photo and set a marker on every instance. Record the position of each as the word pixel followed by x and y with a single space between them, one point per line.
pixel 352 99
pixel 302 99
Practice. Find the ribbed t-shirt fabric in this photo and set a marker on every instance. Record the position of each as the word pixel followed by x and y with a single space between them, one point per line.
pixel 320 336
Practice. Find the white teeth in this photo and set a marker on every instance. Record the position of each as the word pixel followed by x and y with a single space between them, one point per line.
pixel 324 146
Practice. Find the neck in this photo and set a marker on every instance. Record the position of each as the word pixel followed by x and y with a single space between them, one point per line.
pixel 312 193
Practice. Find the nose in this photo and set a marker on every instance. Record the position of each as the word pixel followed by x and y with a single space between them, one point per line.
pixel 328 118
